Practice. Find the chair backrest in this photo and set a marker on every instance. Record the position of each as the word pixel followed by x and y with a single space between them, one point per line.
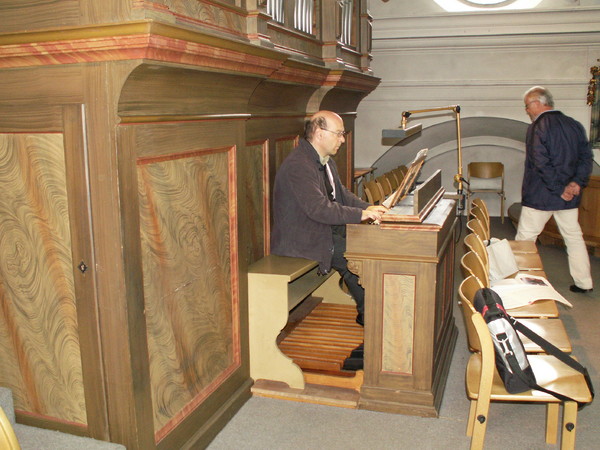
pixel 476 245
pixel 474 226
pixel 399 173
pixel 480 203
pixel 386 187
pixel 394 182
pixel 473 265
pixel 373 192
pixel 479 214
pixel 8 439
pixel 485 170
pixel 466 292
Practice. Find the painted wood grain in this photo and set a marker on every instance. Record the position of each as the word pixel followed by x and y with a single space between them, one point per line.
pixel 399 316
pixel 39 342
pixel 257 201
pixel 283 147
pixel 189 294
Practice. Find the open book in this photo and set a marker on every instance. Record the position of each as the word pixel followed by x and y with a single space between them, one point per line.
pixel 407 181
pixel 525 289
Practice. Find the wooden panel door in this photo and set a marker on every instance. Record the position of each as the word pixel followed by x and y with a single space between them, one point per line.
pixel 48 323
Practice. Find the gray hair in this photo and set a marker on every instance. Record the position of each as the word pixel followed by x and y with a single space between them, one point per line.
pixel 540 93
pixel 310 126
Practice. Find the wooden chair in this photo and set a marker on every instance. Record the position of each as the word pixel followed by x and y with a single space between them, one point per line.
pixel 483 386
pixel 516 246
pixel 526 261
pixel 471 264
pixel 373 192
pixel 386 187
pixel 393 180
pixel 8 439
pixel 477 213
pixel 553 330
pixel 479 210
pixel 480 176
pixel 476 245
pixel 476 227
pixel 481 204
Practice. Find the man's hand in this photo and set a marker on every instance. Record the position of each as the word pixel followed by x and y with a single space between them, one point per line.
pixel 571 190
pixel 373 212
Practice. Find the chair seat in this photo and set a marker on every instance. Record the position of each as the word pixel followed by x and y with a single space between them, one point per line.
pixel 537 273
pixel 528 261
pixel 550 373
pixel 553 330
pixel 539 309
pixel 523 246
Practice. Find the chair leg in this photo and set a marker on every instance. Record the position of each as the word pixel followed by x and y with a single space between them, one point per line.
pixel 472 409
pixel 569 428
pixel 480 421
pixel 551 422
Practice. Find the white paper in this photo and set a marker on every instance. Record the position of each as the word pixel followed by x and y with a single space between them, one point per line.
pixel 525 289
pixel 501 259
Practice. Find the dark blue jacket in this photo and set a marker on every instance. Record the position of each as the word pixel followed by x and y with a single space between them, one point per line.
pixel 557 152
pixel 302 213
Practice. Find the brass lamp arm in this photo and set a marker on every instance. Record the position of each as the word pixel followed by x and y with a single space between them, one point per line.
pixel 458 178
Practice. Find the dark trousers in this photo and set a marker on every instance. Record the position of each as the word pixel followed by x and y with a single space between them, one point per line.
pixel 340 264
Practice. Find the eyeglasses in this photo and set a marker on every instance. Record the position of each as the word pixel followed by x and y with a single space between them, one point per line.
pixel 339 134
pixel 533 101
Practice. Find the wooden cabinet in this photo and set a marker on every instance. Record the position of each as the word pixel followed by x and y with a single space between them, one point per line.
pixel 407 271
pixel 138 142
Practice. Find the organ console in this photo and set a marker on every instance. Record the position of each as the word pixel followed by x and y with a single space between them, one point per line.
pixel 406 265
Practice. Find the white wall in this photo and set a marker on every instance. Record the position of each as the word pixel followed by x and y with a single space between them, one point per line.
pixel 483 61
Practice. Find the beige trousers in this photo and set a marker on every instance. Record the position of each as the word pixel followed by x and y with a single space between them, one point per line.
pixel 531 224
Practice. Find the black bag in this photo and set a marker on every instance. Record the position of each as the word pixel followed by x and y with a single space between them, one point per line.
pixel 511 358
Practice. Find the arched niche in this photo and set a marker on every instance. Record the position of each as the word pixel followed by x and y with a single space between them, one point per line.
pixel 482 139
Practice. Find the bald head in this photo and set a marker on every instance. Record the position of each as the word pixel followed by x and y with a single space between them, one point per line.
pixel 325 131
pixel 321 120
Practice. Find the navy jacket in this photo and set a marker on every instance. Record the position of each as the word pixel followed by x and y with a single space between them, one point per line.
pixel 557 152
pixel 302 213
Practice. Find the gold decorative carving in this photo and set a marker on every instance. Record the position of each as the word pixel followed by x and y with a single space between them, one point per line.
pixel 355 267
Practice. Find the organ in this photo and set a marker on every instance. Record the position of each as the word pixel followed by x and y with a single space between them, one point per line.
pixel 407 271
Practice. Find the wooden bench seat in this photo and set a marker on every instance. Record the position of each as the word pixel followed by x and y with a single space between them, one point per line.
pixel 300 324
pixel 276 284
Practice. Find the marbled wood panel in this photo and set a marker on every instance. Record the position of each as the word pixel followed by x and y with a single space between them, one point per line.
pixel 206 13
pixel 39 341
pixel 257 201
pixel 19 15
pixel 283 147
pixel 444 291
pixel 399 314
pixel 290 39
pixel 189 243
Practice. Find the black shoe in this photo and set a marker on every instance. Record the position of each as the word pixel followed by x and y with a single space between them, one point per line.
pixel 353 364
pixel 358 352
pixel 360 319
pixel 575 288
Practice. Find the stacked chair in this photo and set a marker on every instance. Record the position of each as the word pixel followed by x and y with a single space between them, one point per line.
pixel 483 384
pixel 376 191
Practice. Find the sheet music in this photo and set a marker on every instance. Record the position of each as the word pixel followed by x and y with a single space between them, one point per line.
pixel 407 181
pixel 525 289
